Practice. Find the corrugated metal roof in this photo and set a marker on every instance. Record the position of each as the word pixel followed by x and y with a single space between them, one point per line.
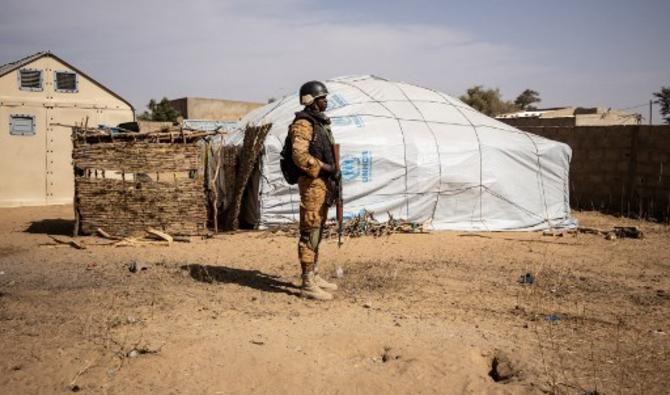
pixel 11 66
pixel 209 125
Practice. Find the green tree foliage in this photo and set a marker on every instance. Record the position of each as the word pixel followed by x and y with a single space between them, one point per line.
pixel 525 100
pixel 663 99
pixel 487 101
pixel 160 111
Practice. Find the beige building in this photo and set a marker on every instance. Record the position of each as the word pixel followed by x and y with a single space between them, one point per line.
pixel 570 117
pixel 213 109
pixel 39 96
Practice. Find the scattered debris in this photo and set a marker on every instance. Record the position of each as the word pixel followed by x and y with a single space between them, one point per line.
pixel 554 233
pixel 73 384
pixel 70 242
pixel 527 278
pixel 501 368
pixel 142 350
pixel 106 235
pixel 621 232
pixel 136 266
pixel 135 242
pixel 387 355
pixel 631 232
pixel 367 225
pixel 552 318
pixel 474 235
pixel 160 235
pixel 118 321
pixel 362 225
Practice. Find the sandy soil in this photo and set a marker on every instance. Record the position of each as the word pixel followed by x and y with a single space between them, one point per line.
pixel 415 313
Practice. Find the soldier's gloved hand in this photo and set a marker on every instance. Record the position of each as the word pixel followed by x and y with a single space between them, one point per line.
pixel 330 171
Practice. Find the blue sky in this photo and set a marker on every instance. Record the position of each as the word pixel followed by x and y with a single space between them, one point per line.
pixel 607 53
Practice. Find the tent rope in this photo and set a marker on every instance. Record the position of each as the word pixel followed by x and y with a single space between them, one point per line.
pixel 402 133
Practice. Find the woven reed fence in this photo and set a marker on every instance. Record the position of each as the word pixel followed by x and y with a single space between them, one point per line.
pixel 127 182
pixel 246 159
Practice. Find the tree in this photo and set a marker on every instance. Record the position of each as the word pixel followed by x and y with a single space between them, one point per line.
pixel 663 99
pixel 160 112
pixel 487 101
pixel 525 100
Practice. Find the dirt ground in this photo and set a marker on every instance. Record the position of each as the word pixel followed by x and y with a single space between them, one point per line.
pixel 415 313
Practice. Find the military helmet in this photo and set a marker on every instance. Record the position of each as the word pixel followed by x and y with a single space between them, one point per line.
pixel 310 91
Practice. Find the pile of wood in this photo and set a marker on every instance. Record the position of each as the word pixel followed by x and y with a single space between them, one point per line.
pixel 617 232
pixel 359 226
pixel 174 134
pixel 367 225
pixel 153 237
pixel 126 182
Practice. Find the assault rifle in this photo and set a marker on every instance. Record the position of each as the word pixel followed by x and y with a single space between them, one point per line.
pixel 339 202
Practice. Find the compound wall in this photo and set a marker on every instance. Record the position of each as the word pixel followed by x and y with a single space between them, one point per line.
pixel 618 169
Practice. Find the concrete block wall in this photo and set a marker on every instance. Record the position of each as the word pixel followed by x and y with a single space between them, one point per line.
pixel 617 169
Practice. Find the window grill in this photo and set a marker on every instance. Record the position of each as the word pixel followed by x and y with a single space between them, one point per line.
pixel 21 125
pixel 30 79
pixel 66 81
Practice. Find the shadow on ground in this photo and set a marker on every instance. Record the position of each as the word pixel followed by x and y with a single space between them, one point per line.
pixel 59 226
pixel 247 278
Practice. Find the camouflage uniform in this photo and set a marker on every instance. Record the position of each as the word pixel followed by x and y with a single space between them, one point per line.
pixel 313 193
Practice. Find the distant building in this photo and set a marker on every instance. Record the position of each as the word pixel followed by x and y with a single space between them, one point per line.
pixel 570 117
pixel 39 96
pixel 213 109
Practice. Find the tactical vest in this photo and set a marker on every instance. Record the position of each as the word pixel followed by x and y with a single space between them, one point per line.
pixel 321 146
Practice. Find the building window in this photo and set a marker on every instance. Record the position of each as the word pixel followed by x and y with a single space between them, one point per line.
pixel 22 125
pixel 66 81
pixel 30 79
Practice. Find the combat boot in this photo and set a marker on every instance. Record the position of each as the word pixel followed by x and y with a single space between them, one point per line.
pixel 323 284
pixel 320 281
pixel 311 290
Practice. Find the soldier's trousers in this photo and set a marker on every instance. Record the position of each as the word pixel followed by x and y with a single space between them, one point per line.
pixel 313 215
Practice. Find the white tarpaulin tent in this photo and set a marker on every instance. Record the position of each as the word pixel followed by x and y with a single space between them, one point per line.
pixel 425 157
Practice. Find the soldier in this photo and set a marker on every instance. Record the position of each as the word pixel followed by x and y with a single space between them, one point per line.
pixel 312 152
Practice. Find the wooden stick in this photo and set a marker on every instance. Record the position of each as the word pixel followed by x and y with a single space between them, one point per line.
pixel 161 235
pixel 70 242
pixel 105 235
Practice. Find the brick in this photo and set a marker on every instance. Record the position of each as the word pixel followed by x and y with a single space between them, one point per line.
pixel 613 154
pixel 659 156
pixel 596 178
pixel 643 156
pixel 647 169
pixel 597 153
